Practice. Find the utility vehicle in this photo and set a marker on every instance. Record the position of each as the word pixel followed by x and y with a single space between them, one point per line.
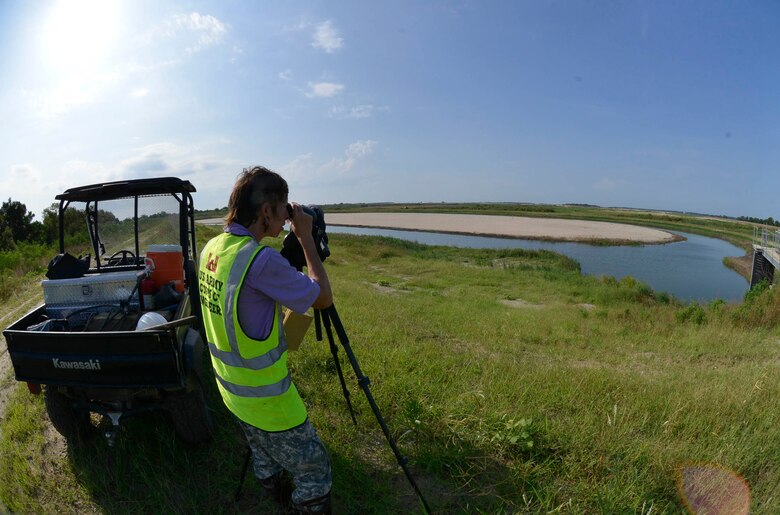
pixel 89 347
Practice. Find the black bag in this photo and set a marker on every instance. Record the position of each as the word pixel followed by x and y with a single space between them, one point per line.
pixel 167 296
pixel 67 266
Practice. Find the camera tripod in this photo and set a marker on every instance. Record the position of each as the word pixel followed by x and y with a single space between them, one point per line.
pixel 329 318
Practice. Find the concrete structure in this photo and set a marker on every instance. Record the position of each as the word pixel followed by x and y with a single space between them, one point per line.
pixel 766 254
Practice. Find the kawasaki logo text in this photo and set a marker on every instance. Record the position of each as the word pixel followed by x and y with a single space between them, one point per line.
pixel 93 364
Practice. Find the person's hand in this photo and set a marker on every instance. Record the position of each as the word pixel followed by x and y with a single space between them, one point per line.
pixel 301 222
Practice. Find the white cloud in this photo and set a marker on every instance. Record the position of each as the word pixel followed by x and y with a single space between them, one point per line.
pixel 151 163
pixel 327 38
pixel 324 89
pixel 139 93
pixel 285 75
pixel 209 31
pixel 305 172
pixel 302 24
pixel 78 173
pixel 203 164
pixel 24 183
pixel 355 152
pixel 24 174
pixel 211 173
pixel 356 112
pixel 360 148
pixel 69 93
pixel 298 168
pixel 237 50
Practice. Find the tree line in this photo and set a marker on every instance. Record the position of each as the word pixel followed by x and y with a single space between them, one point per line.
pixel 17 224
pixel 764 221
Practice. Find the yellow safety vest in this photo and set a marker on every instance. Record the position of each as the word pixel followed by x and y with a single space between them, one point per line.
pixel 251 374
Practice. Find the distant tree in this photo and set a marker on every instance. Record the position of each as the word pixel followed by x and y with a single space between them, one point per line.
pixel 75 223
pixel 107 217
pixel 37 233
pixel 17 219
pixel 764 221
pixel 6 239
pixel 51 225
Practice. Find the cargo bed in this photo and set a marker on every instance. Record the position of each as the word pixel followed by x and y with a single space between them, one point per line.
pixel 105 359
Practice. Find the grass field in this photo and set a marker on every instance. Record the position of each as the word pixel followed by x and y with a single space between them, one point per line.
pixel 510 381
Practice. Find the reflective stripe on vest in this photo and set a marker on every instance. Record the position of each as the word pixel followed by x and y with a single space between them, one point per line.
pixel 270 390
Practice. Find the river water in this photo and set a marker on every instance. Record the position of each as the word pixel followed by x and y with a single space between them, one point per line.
pixel 691 270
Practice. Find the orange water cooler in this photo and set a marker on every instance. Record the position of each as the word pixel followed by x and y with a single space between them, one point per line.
pixel 166 264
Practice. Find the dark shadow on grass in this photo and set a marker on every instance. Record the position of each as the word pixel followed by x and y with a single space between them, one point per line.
pixel 150 470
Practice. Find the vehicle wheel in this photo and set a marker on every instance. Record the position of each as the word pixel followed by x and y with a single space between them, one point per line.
pixel 71 423
pixel 190 415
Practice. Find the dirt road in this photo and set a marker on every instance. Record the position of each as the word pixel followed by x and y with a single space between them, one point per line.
pixel 26 299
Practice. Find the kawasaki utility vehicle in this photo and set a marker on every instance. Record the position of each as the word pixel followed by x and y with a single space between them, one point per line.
pixel 119 332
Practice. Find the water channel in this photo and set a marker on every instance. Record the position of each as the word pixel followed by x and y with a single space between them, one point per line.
pixel 691 270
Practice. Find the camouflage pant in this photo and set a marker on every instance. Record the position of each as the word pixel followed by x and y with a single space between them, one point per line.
pixel 299 451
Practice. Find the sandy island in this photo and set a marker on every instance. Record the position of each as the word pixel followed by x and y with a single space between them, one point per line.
pixel 555 229
pixel 505 226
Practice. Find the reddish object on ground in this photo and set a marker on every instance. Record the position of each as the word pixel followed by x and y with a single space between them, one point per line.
pixel 148 288
pixel 34 388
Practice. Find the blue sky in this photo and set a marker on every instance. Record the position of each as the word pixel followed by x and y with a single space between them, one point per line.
pixel 646 104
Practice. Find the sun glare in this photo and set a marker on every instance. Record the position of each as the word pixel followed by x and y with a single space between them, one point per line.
pixel 78 35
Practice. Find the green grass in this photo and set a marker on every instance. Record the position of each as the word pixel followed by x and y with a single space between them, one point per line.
pixel 512 382
pixel 22 265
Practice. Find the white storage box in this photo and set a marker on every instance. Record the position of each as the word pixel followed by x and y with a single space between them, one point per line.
pixel 106 288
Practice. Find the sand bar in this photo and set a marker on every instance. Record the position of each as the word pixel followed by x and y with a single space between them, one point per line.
pixel 556 229
pixel 505 226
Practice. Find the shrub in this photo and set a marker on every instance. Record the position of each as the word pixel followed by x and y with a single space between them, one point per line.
pixel 693 312
pixel 760 309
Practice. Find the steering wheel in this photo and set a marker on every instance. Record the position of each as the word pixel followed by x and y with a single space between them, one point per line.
pixel 121 257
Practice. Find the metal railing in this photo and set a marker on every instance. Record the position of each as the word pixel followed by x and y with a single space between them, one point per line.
pixel 766 237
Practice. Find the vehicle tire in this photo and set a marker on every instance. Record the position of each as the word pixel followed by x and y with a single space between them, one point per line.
pixel 190 415
pixel 71 423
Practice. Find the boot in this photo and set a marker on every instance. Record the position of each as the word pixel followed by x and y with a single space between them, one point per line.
pixel 318 505
pixel 276 487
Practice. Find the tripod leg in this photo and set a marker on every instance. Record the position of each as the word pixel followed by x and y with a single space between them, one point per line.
pixel 317 326
pixel 331 315
pixel 243 473
pixel 334 350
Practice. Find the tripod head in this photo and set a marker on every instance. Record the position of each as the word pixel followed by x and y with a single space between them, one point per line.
pixel 291 247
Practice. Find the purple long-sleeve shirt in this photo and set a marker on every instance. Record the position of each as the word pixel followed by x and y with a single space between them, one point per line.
pixel 270 279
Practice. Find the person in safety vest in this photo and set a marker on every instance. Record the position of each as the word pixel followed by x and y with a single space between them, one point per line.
pixel 243 286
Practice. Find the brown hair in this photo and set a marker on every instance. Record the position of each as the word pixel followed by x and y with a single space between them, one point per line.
pixel 255 186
